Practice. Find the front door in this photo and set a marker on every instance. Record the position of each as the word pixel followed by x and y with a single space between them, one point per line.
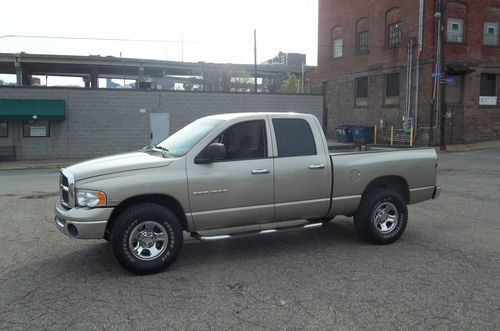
pixel 160 126
pixel 239 189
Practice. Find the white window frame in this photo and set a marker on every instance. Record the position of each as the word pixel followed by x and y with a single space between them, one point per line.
pixel 489 100
pixel 487 38
pixel 455 35
pixel 337 48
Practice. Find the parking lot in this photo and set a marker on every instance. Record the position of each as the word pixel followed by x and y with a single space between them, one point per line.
pixel 443 273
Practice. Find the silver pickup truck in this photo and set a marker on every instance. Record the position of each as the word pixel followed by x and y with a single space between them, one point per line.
pixel 234 170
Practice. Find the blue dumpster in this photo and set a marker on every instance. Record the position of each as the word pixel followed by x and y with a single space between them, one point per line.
pixel 363 134
pixel 344 133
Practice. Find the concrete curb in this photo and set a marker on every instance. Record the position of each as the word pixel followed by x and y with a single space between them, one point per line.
pixel 35 165
pixel 32 167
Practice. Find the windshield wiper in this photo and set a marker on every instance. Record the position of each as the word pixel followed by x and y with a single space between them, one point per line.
pixel 147 148
pixel 164 150
pixel 156 148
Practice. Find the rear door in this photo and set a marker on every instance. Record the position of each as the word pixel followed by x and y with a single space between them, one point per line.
pixel 301 168
pixel 239 189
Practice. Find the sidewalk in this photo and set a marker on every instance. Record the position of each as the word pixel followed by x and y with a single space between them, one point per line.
pixel 61 163
pixel 472 147
pixel 37 164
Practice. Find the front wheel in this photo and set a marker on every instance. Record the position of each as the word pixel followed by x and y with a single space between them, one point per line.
pixel 146 238
pixel 381 217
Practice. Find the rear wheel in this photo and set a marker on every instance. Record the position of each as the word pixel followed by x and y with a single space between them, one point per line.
pixel 146 238
pixel 381 217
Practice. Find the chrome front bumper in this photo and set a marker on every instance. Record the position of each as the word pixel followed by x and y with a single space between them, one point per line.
pixel 82 223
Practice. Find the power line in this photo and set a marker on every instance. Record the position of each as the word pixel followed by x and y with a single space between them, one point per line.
pixel 117 39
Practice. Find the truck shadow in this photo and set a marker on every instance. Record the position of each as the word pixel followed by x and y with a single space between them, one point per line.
pixel 95 259
pixel 288 243
pixel 90 269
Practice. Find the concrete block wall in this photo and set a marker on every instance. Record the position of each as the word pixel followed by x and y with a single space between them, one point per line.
pixel 101 122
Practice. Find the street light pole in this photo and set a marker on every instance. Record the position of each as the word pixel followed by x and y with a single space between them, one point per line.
pixel 442 122
pixel 255 57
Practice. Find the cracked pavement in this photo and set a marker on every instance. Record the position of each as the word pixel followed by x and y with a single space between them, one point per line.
pixel 443 273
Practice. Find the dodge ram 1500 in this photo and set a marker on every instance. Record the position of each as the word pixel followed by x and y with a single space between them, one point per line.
pixel 233 170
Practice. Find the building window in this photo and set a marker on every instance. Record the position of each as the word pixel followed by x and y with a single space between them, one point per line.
pixel 337 48
pixel 490 33
pixel 488 90
pixel 394 33
pixel 363 42
pixel 4 129
pixel 455 30
pixel 36 129
pixel 361 91
pixel 391 89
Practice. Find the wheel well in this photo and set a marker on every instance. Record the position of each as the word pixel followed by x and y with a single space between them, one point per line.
pixel 161 199
pixel 395 183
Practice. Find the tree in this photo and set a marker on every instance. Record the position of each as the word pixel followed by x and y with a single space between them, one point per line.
pixel 290 85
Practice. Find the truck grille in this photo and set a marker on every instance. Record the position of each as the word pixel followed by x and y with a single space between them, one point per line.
pixel 66 184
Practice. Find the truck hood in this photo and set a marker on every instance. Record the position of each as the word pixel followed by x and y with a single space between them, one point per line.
pixel 117 163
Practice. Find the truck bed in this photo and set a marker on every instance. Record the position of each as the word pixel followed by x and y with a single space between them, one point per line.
pixel 354 148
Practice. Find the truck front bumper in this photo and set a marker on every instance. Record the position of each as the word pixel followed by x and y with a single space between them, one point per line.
pixel 82 223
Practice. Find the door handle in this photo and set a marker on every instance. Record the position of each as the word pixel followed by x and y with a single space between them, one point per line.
pixel 317 166
pixel 260 171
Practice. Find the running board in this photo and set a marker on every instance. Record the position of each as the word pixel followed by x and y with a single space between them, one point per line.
pixel 198 236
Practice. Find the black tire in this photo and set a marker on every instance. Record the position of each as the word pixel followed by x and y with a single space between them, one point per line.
pixel 382 216
pixel 162 224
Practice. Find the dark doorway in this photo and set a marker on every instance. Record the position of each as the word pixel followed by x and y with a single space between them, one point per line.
pixel 455 109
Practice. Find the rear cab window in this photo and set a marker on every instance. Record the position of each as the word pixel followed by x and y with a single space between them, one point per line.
pixel 294 137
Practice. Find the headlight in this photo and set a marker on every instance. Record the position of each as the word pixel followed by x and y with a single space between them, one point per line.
pixel 86 198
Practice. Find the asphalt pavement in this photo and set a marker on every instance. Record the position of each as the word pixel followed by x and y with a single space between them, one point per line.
pixel 443 273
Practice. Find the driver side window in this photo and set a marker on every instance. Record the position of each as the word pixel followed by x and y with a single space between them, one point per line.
pixel 246 140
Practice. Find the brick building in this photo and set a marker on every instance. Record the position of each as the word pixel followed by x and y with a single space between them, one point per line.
pixel 378 59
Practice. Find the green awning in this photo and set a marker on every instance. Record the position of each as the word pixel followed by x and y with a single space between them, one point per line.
pixel 26 109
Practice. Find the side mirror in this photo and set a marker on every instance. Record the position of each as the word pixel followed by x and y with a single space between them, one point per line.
pixel 215 151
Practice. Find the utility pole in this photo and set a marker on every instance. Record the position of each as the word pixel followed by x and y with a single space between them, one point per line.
pixel 302 78
pixel 255 57
pixel 442 80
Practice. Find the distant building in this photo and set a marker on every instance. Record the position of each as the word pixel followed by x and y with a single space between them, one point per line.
pixel 379 58
pixel 111 84
pixel 287 59
pixel 35 81
pixel 1 82
pixel 292 60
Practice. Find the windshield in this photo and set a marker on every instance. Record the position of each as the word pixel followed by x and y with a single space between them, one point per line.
pixel 183 140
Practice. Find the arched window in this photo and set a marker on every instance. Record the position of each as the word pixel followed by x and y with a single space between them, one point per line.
pixel 393 27
pixel 362 36
pixel 456 13
pixel 337 42
pixel 491 26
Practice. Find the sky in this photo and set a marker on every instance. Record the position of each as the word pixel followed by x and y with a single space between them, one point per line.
pixel 211 31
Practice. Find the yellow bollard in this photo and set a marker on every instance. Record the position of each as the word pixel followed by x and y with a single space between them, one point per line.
pixel 411 136
pixel 375 135
pixel 392 135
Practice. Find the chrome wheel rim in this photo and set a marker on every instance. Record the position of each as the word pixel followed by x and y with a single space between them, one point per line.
pixel 148 240
pixel 386 217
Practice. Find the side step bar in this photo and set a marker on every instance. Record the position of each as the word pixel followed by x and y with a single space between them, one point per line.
pixel 196 235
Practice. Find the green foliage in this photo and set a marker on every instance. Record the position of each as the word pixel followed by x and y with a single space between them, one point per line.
pixel 290 85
